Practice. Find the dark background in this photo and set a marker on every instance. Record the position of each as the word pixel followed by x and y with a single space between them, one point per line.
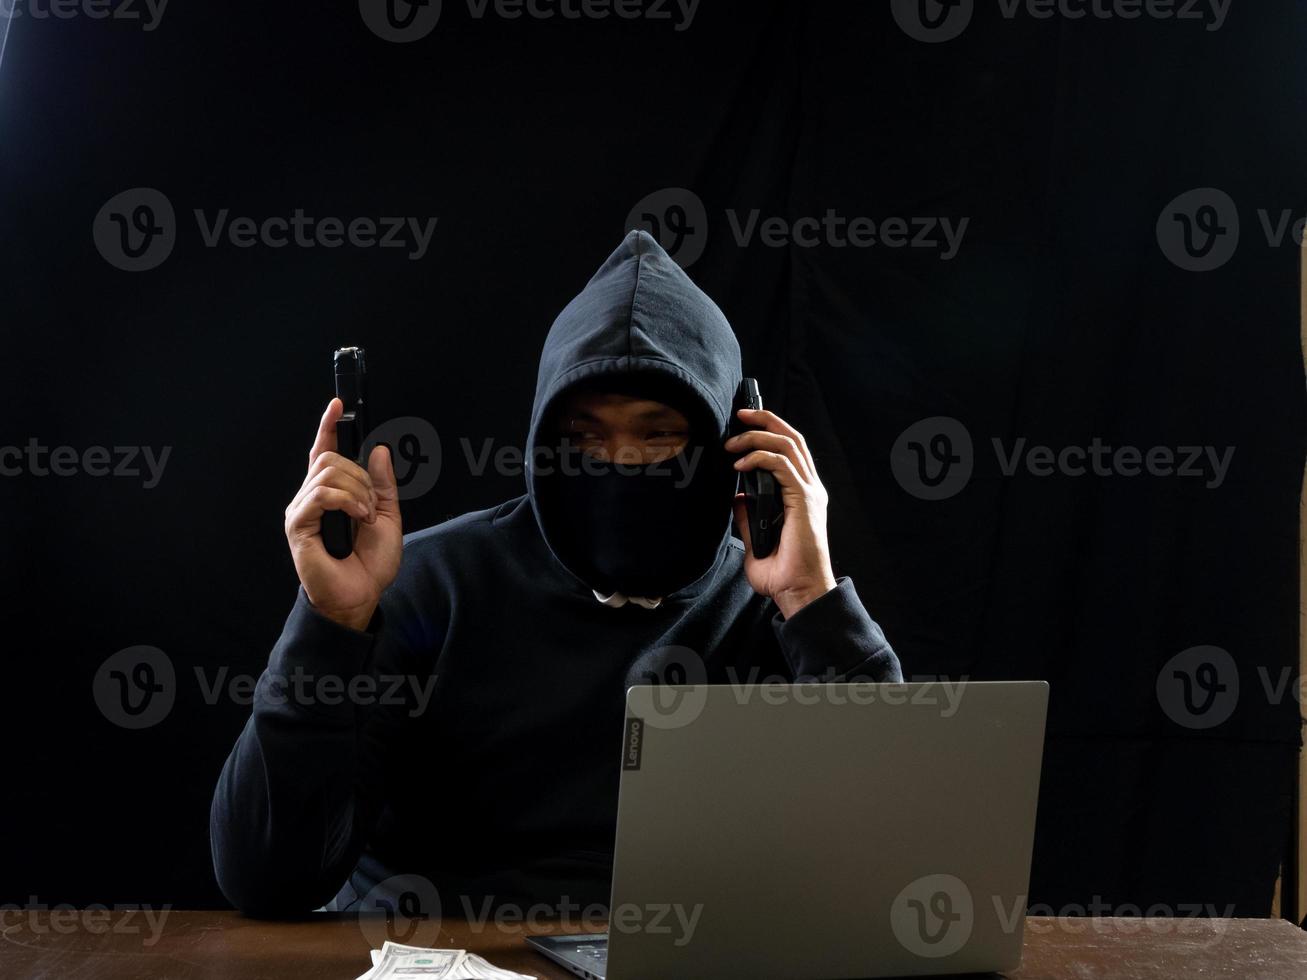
pixel 1060 320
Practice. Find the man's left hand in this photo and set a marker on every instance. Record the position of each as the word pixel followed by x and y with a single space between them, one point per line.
pixel 799 570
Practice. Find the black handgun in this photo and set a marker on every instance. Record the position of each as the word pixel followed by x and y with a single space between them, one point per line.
pixel 762 494
pixel 351 429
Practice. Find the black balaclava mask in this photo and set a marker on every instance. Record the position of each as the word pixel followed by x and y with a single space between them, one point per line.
pixel 642 529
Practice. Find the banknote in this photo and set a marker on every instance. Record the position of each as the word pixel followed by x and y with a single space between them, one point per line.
pixel 395 961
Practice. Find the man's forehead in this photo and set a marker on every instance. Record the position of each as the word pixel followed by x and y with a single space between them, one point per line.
pixel 597 402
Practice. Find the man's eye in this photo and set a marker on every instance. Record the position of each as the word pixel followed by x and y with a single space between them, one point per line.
pixel 667 434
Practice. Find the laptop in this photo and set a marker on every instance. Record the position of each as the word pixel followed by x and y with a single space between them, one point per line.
pixel 820 831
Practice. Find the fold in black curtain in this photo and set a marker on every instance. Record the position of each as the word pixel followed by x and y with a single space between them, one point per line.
pixel 1060 322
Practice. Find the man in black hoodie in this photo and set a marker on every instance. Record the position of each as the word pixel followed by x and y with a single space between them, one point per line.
pixel 494 773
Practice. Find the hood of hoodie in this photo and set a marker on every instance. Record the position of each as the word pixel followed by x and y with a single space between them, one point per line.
pixel 640 313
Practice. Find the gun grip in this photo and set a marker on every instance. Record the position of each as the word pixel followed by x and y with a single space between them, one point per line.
pixel 765 510
pixel 337 526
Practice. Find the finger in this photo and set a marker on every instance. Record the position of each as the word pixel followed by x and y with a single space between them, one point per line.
pixel 357 506
pixel 326 437
pixel 331 459
pixel 381 468
pixel 330 462
pixel 779 466
pixel 773 442
pixel 774 423
pixel 306 518
pixel 742 523
pixel 340 479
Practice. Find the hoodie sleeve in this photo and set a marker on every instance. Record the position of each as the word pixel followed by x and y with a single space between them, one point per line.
pixel 300 792
pixel 833 638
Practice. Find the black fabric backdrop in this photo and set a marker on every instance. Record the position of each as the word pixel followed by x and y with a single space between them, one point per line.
pixel 1060 320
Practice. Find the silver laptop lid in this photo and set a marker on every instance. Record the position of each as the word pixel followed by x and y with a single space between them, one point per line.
pixel 825 830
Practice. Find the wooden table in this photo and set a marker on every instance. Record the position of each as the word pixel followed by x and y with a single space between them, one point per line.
pixel 175 945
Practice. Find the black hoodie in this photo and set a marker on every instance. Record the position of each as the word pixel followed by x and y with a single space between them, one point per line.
pixel 481 747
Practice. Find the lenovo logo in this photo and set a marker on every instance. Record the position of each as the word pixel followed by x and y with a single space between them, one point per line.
pixel 632 743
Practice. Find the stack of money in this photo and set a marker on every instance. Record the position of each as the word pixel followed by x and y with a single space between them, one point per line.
pixel 394 961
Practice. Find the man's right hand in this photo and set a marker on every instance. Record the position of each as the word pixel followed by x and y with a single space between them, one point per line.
pixel 346 590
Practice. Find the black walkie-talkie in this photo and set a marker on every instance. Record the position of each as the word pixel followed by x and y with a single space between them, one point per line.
pixel 762 494
pixel 351 429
